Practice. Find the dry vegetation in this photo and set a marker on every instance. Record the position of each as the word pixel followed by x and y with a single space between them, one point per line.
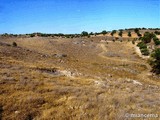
pixel 74 79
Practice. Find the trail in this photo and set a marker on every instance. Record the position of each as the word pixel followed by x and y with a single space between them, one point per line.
pixel 116 59
pixel 142 75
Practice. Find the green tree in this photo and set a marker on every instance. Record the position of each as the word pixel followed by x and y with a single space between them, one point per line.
pixel 91 33
pixel 136 30
pixel 113 32
pixel 147 37
pixel 84 33
pixel 156 40
pixel 155 61
pixel 32 35
pixel 142 45
pixel 129 34
pixel 104 32
pixel 120 33
pixel 157 32
pixel 145 51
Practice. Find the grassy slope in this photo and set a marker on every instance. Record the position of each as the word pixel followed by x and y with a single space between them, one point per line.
pixel 103 81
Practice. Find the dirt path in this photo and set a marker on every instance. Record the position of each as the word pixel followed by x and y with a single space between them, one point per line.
pixel 137 50
pixel 116 59
pixel 142 75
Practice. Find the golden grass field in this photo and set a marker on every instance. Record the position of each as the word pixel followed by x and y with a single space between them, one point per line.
pixel 96 80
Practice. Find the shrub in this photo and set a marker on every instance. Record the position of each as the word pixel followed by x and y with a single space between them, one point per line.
pixel 143 48
pixel 129 34
pixel 133 42
pixel 155 61
pixel 120 33
pixel 136 30
pixel 156 40
pixel 113 32
pixel 157 32
pixel 139 35
pixel 91 33
pixel 14 44
pixel 142 45
pixel 104 32
pixel 84 33
pixel 147 37
pixel 32 35
pixel 145 51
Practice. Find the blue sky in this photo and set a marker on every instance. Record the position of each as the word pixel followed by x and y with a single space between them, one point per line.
pixel 75 16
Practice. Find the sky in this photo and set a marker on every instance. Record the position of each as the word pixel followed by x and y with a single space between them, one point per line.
pixel 75 16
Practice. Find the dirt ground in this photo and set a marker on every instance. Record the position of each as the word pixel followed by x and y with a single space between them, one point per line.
pixel 74 79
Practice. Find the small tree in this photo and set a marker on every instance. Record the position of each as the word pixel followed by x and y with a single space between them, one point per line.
pixel 113 32
pixel 157 32
pixel 32 35
pixel 136 30
pixel 147 37
pixel 156 40
pixel 104 32
pixel 84 33
pixel 120 33
pixel 91 33
pixel 142 45
pixel 145 51
pixel 155 61
pixel 129 34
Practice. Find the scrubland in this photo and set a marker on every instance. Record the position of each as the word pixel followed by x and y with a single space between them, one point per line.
pixel 74 79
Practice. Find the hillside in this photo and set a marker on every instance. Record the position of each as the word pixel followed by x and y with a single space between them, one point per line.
pixel 46 78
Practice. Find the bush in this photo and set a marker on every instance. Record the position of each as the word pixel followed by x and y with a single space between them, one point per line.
pixel 113 32
pixel 104 32
pixel 32 35
pixel 84 33
pixel 157 32
pixel 145 51
pixel 129 34
pixel 142 45
pixel 120 33
pixel 133 42
pixel 156 40
pixel 91 33
pixel 14 44
pixel 139 35
pixel 136 30
pixel 155 61
pixel 147 37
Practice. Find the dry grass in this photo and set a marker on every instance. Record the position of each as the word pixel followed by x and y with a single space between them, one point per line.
pixel 89 84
